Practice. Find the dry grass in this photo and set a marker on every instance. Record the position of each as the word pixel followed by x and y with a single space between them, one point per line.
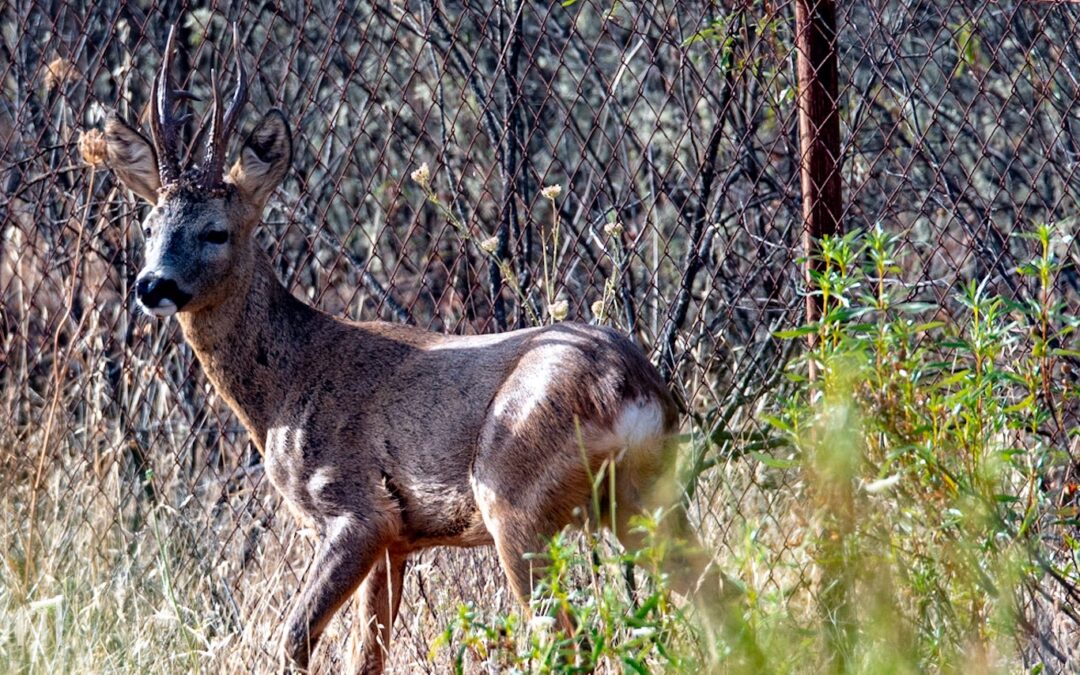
pixel 184 586
pixel 193 585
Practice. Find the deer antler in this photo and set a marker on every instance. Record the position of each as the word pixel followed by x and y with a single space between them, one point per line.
pixel 221 126
pixel 164 125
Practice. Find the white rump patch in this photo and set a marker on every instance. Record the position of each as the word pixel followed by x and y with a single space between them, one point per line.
pixel 640 421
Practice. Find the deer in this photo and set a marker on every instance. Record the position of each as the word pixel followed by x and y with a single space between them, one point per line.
pixel 385 438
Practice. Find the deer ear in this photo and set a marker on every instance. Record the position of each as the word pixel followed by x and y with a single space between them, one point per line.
pixel 132 158
pixel 264 159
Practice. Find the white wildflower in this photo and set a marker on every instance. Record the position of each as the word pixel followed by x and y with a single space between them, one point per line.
pixel 422 176
pixel 552 192
pixel 613 229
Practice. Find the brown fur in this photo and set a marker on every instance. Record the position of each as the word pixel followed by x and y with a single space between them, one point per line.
pixel 388 438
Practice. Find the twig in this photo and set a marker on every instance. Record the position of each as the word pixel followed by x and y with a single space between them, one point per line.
pixel 695 255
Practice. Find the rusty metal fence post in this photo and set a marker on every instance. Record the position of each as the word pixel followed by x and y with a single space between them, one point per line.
pixel 819 132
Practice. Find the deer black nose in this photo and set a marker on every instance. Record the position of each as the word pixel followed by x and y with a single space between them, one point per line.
pixel 155 293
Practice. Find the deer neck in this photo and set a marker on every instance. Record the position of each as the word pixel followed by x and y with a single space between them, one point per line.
pixel 250 345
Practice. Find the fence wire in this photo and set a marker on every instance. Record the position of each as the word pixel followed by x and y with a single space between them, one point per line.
pixel 671 128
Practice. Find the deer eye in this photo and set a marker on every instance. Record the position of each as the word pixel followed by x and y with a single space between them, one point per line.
pixel 215 236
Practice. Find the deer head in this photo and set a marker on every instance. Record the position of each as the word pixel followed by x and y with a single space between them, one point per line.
pixel 198 233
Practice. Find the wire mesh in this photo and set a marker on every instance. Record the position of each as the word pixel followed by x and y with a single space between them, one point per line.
pixel 670 126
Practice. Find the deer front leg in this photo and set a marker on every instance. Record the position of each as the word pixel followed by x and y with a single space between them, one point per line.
pixel 380 597
pixel 349 549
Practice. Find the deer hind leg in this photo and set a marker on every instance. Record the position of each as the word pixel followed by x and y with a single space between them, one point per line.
pixel 380 597
pixel 349 549
pixel 522 518
pixel 515 539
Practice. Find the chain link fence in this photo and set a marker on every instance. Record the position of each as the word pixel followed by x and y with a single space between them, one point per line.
pixel 672 129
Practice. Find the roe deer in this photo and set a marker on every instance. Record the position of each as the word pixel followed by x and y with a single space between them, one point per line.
pixel 388 438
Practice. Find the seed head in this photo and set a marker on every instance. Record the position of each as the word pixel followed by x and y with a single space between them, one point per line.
pixel 613 229
pixel 597 308
pixel 58 72
pixel 92 147
pixel 559 309
pixel 490 245
pixel 551 192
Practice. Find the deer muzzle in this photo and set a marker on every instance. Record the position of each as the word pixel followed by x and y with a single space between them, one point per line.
pixel 160 296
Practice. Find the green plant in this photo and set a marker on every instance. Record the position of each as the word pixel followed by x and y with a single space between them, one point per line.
pixel 921 452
